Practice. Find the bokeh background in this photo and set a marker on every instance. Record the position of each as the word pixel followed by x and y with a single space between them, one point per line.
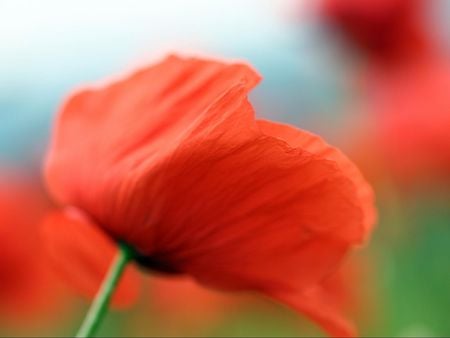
pixel 390 112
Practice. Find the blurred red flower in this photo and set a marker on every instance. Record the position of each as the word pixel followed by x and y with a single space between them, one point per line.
pixel 171 161
pixel 388 31
pixel 29 291
pixel 411 120
pixel 405 135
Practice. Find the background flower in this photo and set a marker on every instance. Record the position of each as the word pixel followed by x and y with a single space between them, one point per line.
pixel 31 295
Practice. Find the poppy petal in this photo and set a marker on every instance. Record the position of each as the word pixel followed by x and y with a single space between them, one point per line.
pixel 196 99
pixel 184 302
pixel 82 255
pixel 272 210
pixel 315 304
pixel 29 293
pixel 134 120
pixel 316 145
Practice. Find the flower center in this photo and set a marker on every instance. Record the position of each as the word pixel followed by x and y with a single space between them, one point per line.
pixel 156 263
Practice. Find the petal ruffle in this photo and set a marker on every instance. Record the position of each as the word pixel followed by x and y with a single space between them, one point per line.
pixel 140 118
pixel 82 255
pixel 316 146
pixel 130 127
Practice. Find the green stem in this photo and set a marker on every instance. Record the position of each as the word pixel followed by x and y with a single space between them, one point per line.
pixel 100 304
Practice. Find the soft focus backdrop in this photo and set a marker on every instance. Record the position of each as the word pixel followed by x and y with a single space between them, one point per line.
pixel 314 78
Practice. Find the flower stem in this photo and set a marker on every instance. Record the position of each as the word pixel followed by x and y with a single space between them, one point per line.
pixel 100 304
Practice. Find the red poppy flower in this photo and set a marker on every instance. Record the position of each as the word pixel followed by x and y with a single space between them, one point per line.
pixel 28 288
pixel 171 161
pixel 411 122
pixel 387 30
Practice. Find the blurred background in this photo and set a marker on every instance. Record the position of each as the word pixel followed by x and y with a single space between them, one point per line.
pixel 372 77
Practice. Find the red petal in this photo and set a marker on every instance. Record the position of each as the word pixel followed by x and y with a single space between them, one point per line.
pixel 29 290
pixel 261 215
pixel 135 120
pixel 316 146
pixel 315 304
pixel 131 126
pixel 82 254
pixel 184 302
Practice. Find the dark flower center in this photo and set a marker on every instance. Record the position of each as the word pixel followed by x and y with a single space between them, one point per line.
pixel 156 263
